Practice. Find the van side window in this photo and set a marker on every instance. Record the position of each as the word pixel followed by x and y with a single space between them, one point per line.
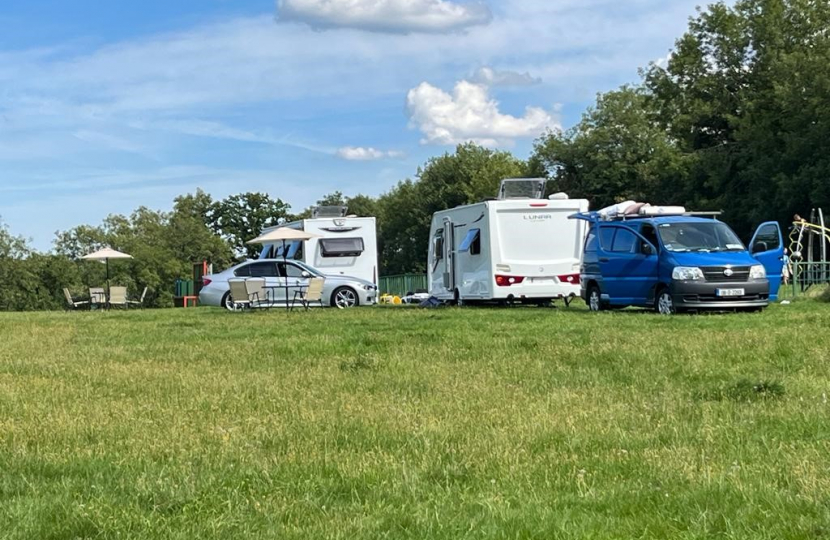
pixel 606 235
pixel 624 241
pixel 591 242
pixel 650 233
pixel 768 234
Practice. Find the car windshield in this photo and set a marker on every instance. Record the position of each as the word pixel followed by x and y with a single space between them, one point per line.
pixel 699 237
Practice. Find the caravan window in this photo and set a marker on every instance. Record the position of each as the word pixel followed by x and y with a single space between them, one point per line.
pixel 341 247
pixel 438 245
pixel 294 250
pixel 472 242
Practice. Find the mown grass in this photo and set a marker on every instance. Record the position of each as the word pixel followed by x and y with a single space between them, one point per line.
pixel 408 423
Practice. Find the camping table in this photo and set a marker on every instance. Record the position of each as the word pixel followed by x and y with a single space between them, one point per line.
pixel 275 288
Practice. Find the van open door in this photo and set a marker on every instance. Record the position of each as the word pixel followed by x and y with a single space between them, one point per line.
pixel 767 247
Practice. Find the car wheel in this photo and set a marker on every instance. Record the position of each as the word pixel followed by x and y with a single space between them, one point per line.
pixel 594 298
pixel 665 303
pixel 227 301
pixel 344 298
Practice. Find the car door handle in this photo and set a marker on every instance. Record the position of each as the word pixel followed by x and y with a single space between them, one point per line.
pixel 604 259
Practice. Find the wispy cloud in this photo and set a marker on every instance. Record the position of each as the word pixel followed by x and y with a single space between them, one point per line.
pixel 360 153
pixel 392 16
pixel 488 76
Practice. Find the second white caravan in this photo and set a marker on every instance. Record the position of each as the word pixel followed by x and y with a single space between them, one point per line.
pixel 517 248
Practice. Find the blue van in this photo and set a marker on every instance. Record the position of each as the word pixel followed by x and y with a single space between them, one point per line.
pixel 676 263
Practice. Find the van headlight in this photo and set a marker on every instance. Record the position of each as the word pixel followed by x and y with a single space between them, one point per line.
pixel 687 273
pixel 757 272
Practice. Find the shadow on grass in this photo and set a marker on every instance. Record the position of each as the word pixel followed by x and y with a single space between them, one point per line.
pixel 743 391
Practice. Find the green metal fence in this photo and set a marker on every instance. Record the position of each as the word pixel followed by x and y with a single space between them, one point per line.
pixel 402 284
pixel 808 274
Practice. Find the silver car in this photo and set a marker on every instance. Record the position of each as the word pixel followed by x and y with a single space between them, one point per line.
pixel 339 291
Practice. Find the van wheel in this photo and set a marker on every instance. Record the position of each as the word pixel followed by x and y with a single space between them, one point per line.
pixel 665 303
pixel 594 299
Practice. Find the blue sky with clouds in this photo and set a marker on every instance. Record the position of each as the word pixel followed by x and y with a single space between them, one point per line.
pixel 106 106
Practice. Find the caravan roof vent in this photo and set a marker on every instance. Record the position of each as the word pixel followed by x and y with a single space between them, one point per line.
pixel 522 188
pixel 328 212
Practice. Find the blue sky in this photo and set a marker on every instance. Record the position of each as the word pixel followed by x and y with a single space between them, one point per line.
pixel 106 106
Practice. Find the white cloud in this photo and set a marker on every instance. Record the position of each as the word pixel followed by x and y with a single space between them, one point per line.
pixel 360 153
pixel 470 114
pixel 488 76
pixel 391 16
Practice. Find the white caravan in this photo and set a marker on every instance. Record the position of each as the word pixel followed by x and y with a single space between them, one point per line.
pixel 347 245
pixel 517 248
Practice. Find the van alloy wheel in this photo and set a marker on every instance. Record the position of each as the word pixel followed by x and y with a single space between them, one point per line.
pixel 344 298
pixel 665 303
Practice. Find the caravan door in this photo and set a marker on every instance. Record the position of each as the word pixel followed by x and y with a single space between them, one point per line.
pixel 449 255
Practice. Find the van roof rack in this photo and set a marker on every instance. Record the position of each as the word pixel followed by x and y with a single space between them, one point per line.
pixel 596 216
pixel 712 214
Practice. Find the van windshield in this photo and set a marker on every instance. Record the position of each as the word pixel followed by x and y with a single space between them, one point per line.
pixel 699 237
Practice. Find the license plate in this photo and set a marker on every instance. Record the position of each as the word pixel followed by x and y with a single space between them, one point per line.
pixel 730 292
pixel 541 281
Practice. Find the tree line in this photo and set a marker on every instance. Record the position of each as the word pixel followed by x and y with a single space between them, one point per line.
pixel 737 119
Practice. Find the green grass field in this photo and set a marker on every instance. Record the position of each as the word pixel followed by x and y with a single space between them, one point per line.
pixel 408 423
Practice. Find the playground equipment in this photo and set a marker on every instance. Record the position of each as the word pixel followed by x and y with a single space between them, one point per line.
pixel 809 246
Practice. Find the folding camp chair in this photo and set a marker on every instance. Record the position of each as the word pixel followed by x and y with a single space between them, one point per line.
pixel 256 291
pixel 72 304
pixel 239 294
pixel 312 293
pixel 97 297
pixel 140 301
pixel 118 297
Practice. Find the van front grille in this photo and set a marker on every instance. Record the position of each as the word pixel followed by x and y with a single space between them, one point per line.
pixel 715 274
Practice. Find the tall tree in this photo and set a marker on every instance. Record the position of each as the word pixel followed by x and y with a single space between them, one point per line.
pixel 746 91
pixel 618 151
pixel 240 218
pixel 471 174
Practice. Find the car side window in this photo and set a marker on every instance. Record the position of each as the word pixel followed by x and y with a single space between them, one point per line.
pixel 243 271
pixel 263 269
pixel 624 241
pixel 290 270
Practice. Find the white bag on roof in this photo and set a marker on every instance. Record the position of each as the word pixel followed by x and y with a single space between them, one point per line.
pixel 615 210
pixel 662 210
